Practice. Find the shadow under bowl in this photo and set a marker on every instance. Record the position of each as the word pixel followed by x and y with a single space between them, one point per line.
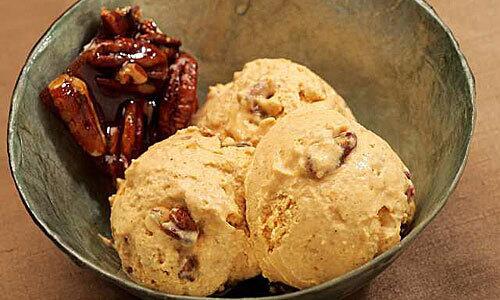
pixel 395 62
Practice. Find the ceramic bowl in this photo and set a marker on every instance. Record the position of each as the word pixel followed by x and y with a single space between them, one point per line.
pixel 395 62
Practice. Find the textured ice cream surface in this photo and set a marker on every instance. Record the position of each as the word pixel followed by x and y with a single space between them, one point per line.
pixel 324 196
pixel 264 91
pixel 177 218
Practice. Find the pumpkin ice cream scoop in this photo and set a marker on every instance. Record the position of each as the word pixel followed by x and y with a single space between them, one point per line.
pixel 324 196
pixel 177 218
pixel 264 91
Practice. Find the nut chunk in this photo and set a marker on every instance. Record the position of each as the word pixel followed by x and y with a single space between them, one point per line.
pixel 75 106
pixel 180 100
pixel 177 223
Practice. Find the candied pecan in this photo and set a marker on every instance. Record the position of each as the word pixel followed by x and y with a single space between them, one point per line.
pixel 180 100
pixel 113 139
pixel 149 31
pixel 132 129
pixel 117 22
pixel 115 165
pixel 150 113
pixel 159 72
pixel 148 26
pixel 160 39
pixel 77 109
pixel 132 72
pixel 177 223
pixel 114 88
pixel 135 14
pixel 114 53
pixel 77 65
pixel 129 56
pixel 47 99
pixel 188 268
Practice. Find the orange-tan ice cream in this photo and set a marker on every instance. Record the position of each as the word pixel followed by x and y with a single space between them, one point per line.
pixel 178 219
pixel 264 91
pixel 324 196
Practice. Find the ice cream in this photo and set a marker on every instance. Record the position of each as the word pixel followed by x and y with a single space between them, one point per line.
pixel 264 91
pixel 177 218
pixel 324 196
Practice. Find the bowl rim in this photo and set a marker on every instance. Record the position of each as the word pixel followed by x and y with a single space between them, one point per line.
pixel 131 286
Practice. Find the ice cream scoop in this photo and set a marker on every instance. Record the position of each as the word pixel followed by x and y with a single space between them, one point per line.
pixel 324 196
pixel 177 218
pixel 264 91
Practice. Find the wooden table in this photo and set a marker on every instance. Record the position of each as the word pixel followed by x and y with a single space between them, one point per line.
pixel 457 256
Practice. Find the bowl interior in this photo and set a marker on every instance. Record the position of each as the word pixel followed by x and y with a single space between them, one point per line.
pixel 393 62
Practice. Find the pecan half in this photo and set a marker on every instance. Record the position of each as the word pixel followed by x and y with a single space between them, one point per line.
pixel 149 31
pixel 180 101
pixel 114 53
pixel 75 106
pixel 115 165
pixel 160 39
pixel 114 162
pixel 132 129
pixel 117 22
pixel 113 88
pixel 113 139
pixel 159 72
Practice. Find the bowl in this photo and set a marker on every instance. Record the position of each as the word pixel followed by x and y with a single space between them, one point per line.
pixel 395 62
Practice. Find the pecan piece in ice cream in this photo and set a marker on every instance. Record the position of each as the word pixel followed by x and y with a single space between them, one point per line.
pixel 348 141
pixel 177 223
pixel 181 226
pixel 323 155
pixel 189 265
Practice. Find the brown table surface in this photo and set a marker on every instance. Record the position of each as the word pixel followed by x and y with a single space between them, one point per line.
pixel 457 256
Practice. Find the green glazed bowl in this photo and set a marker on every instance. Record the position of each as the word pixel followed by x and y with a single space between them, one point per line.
pixel 395 62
